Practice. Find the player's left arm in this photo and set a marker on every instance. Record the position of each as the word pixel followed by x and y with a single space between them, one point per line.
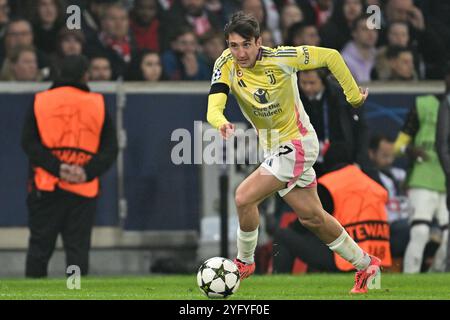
pixel 318 57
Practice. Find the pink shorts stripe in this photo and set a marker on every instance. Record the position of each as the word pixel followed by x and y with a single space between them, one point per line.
pixel 301 128
pixel 299 161
pixel 312 184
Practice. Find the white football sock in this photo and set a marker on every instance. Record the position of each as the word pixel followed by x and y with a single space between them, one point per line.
pixel 347 248
pixel 246 243
pixel 419 236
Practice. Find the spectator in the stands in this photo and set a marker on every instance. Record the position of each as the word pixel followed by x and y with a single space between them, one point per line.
pixel 317 12
pixel 115 40
pixel 21 65
pixel 217 8
pixel 422 32
pixel 333 118
pixel 401 63
pixel 47 18
pixel 4 17
pixel 301 33
pixel 398 207
pixel 188 12
pixel 267 15
pixel 69 42
pixel 397 36
pixel 337 31
pixel 439 11
pixel 267 38
pixel 213 44
pixel 290 15
pixel 91 17
pixel 100 69
pixel 256 8
pixel 144 24
pixel 146 66
pixel 360 53
pixel 182 61
pixel 19 32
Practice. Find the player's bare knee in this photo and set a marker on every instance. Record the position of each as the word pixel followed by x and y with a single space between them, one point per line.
pixel 313 221
pixel 241 200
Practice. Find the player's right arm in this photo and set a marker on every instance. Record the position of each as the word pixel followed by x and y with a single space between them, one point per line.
pixel 309 57
pixel 217 98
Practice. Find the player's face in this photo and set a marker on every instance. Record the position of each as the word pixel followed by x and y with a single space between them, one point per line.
pixel 244 51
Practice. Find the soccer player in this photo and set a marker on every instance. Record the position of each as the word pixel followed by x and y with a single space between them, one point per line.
pixel 264 83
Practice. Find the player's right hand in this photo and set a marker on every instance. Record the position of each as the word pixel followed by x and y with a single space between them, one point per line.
pixel 227 130
pixel 364 93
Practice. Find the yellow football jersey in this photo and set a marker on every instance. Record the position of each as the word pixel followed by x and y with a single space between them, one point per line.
pixel 268 92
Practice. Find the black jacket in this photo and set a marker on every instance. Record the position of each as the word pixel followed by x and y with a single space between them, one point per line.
pixel 347 124
pixel 41 156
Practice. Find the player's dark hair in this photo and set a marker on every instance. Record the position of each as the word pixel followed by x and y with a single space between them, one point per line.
pixel 244 25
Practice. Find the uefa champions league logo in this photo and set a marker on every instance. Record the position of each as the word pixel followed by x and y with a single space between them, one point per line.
pixel 216 75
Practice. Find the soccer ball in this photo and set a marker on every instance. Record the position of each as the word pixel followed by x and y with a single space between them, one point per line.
pixel 218 277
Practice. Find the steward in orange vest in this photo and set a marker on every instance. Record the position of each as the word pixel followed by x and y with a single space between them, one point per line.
pixel 359 205
pixel 70 141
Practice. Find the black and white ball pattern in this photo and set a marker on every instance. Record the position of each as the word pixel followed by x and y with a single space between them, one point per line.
pixel 218 277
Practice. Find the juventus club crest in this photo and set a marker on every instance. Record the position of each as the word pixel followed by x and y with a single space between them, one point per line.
pixel 271 76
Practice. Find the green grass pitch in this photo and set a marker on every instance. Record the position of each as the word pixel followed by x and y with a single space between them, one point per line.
pixel 275 287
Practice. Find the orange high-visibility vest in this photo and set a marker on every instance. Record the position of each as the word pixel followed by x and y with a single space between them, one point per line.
pixel 359 205
pixel 70 123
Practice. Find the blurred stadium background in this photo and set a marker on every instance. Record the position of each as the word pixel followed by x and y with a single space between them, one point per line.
pixel 155 216
pixel 172 219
